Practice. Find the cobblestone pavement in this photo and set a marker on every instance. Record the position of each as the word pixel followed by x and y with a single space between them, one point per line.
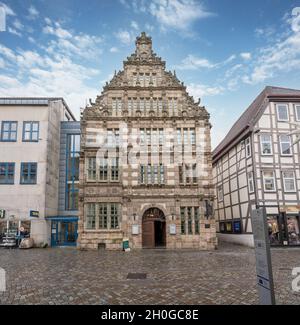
pixel 68 276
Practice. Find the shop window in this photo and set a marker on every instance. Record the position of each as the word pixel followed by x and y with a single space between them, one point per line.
pixel 228 227
pixel 237 227
pixel 273 230
pixel 293 230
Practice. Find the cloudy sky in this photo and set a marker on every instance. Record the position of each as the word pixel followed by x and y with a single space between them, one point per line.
pixel 225 51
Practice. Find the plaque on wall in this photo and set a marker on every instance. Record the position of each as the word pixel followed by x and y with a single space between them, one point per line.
pixel 135 229
pixel 172 229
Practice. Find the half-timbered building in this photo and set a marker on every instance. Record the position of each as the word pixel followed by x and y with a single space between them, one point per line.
pixel 258 164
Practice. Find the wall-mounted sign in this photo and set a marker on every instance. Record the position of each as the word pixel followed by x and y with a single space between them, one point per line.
pixel 135 229
pixel 34 214
pixel 2 213
pixel 172 229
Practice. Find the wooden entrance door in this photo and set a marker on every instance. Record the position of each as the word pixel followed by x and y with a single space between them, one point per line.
pixel 148 234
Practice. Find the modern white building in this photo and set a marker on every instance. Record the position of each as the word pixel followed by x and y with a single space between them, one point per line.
pixel 258 164
pixel 29 162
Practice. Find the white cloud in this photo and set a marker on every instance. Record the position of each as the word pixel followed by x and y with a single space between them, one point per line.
pixel 149 27
pixel 14 31
pixel 2 63
pixel 33 12
pixel 200 90
pixel 7 9
pixel 68 43
pixel 57 31
pixel 192 62
pixel 17 24
pixel 265 32
pixel 281 56
pixel 174 14
pixel 113 49
pixel 178 14
pixel 58 70
pixel 48 21
pixel 39 75
pixel 134 25
pixel 246 56
pixel 124 37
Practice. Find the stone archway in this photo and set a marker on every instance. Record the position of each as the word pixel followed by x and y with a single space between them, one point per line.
pixel 153 228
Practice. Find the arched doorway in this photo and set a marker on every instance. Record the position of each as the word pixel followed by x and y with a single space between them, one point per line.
pixel 153 228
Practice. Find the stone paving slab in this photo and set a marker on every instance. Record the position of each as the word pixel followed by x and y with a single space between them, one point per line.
pixel 68 276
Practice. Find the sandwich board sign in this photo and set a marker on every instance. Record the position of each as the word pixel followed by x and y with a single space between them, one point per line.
pixel 263 257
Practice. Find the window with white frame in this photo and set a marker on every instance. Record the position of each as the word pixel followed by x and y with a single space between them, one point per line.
pixel 297 108
pixel 250 182
pixel 220 193
pixel 285 145
pixel 266 144
pixel 289 181
pixel 282 112
pixel 248 147
pixel 269 181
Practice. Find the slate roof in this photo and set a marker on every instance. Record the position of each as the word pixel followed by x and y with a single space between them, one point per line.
pixel 251 114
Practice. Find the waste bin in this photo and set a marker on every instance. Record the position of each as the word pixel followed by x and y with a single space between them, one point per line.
pixel 126 247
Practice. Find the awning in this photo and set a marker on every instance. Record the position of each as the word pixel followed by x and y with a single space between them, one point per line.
pixel 62 218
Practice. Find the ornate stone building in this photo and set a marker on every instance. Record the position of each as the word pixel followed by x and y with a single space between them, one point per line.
pixel 145 162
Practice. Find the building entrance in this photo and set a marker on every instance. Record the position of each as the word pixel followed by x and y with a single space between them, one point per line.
pixel 154 229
